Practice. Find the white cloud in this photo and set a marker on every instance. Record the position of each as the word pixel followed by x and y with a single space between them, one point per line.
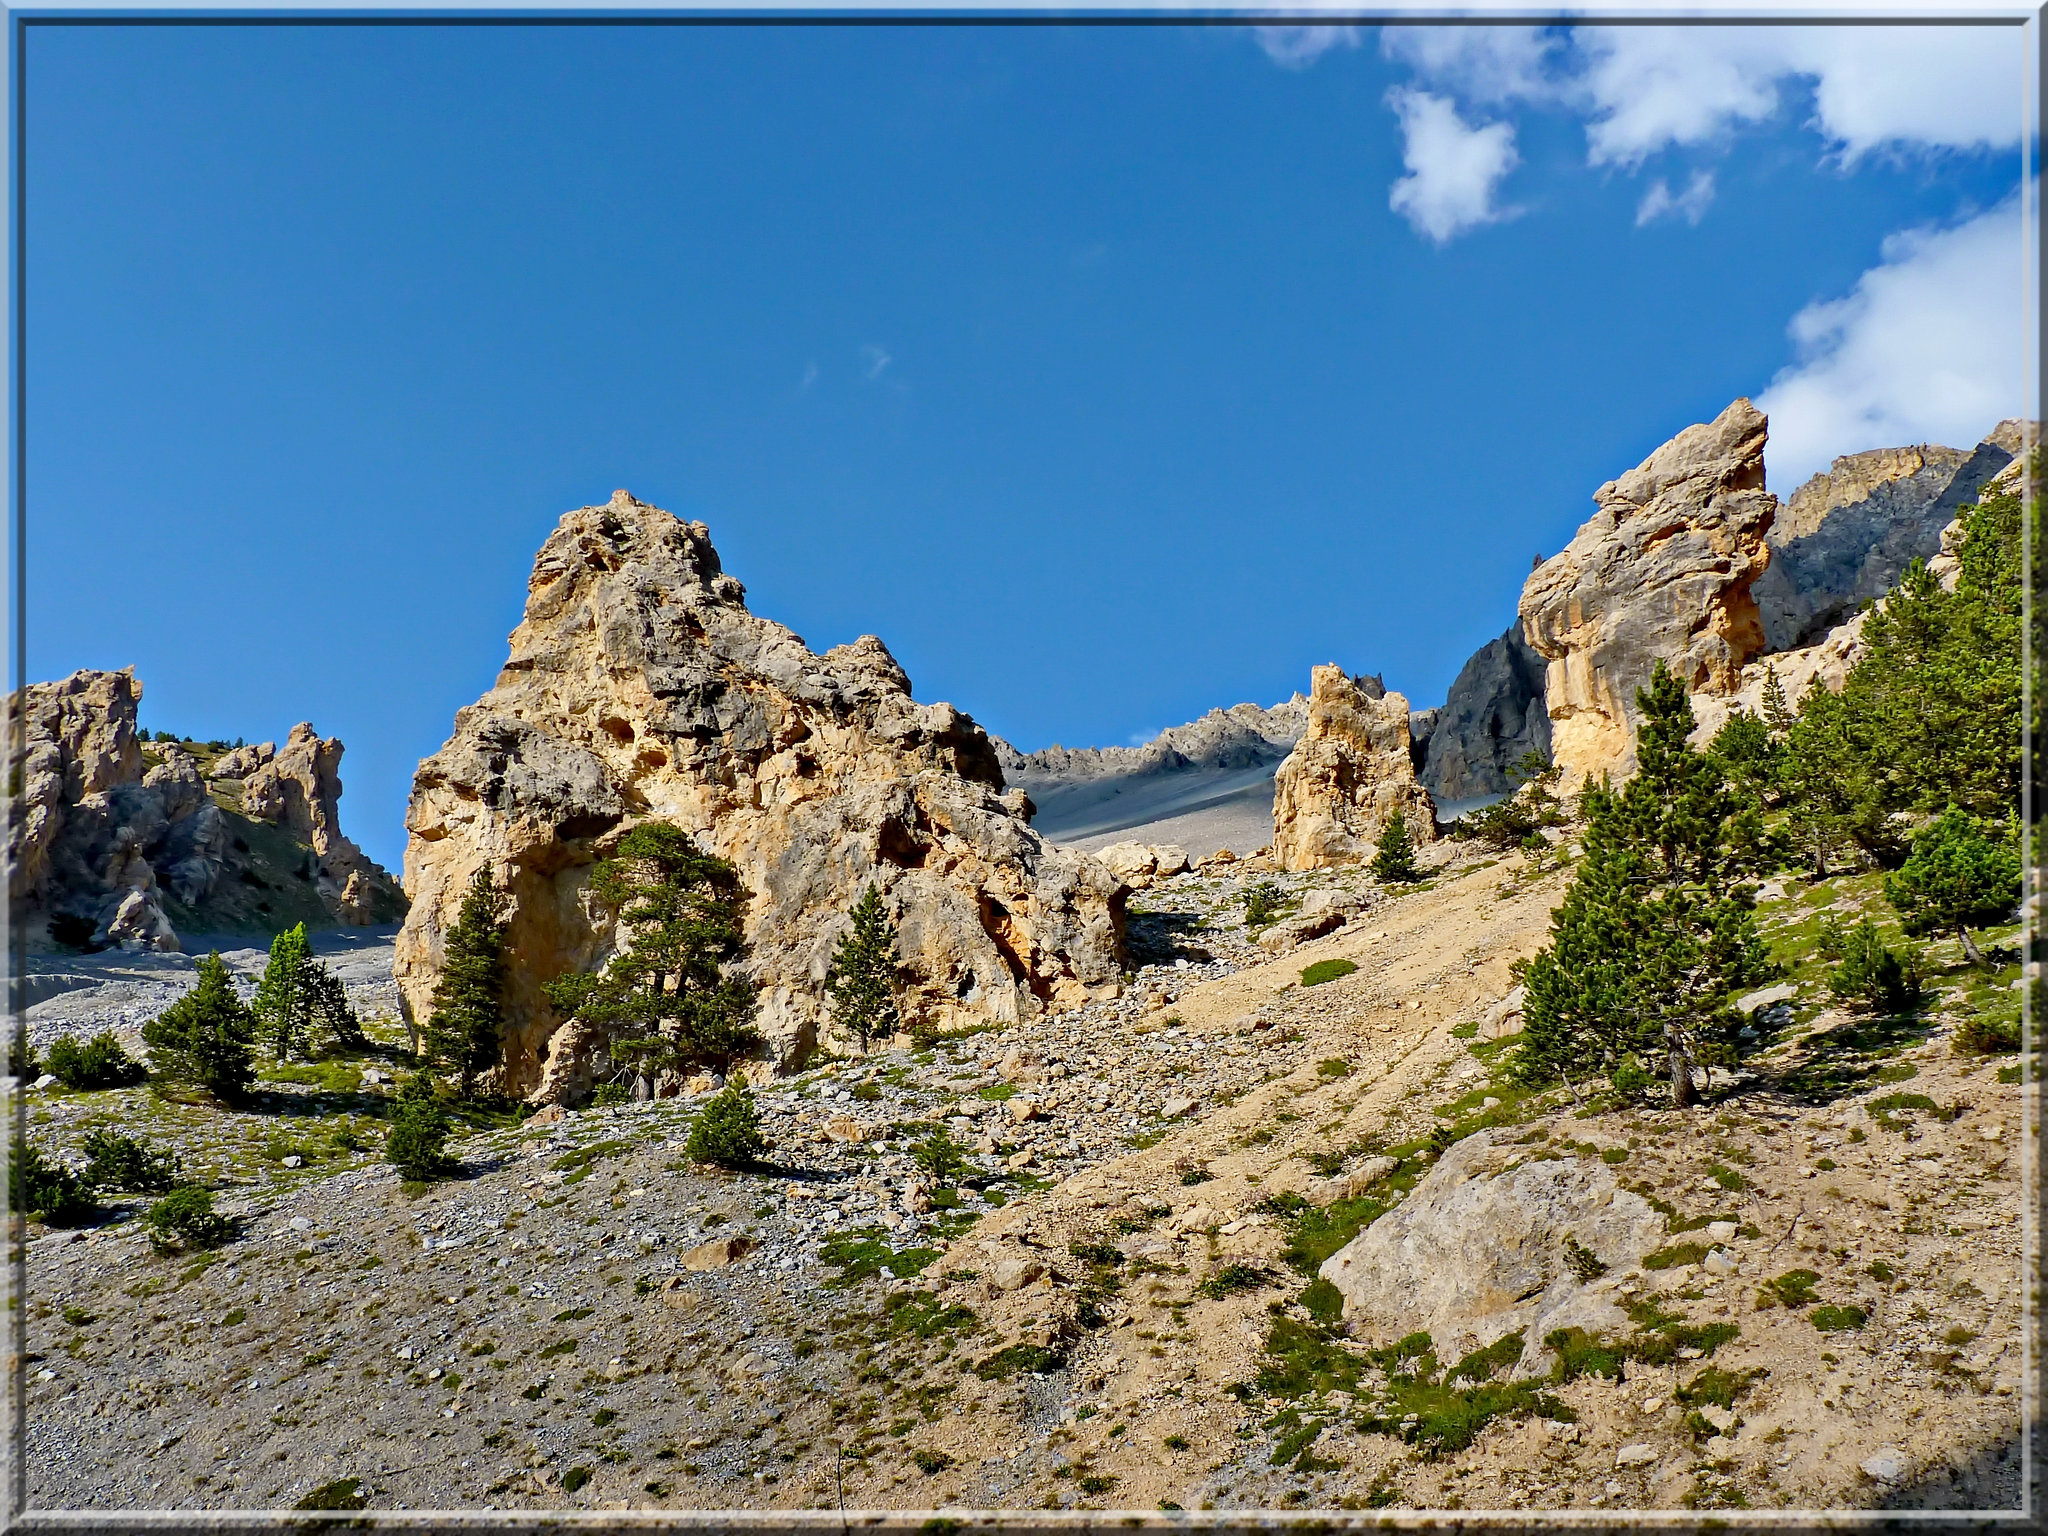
pixel 1644 89
pixel 1690 205
pixel 1453 169
pixel 1489 64
pixel 1299 47
pixel 1926 349
pixel 810 377
pixel 877 360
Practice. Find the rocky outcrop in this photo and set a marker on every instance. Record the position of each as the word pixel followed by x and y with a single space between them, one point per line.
pixel 299 789
pixel 115 837
pixel 1662 572
pixel 1349 773
pixel 1138 865
pixel 1479 1250
pixel 1847 536
pixel 639 687
pixel 1493 716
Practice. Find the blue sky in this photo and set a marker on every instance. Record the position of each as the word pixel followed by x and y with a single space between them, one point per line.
pixel 1110 374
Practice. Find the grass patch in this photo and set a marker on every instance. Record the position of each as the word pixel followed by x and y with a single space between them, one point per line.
pixel 1032 1359
pixel 865 1254
pixel 1326 970
pixel 1838 1319
pixel 1233 1280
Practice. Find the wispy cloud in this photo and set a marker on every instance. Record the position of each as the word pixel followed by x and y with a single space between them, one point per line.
pixel 1689 205
pixel 877 360
pixel 1299 47
pixel 810 377
pixel 1454 169
pixel 1925 349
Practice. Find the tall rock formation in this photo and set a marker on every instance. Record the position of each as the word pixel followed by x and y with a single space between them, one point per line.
pixel 1351 770
pixel 1492 717
pixel 1847 536
pixel 299 789
pixel 639 687
pixel 117 841
pixel 1662 571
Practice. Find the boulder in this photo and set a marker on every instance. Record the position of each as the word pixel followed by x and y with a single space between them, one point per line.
pixel 1347 776
pixel 639 687
pixel 718 1253
pixel 1661 572
pixel 1492 717
pixel 1477 1250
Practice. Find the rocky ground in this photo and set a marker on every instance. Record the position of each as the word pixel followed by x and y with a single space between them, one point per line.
pixel 1107 1307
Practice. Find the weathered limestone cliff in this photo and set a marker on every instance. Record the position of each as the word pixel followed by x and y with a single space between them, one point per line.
pixel 1351 770
pixel 1662 571
pixel 1847 536
pixel 117 842
pixel 1493 715
pixel 639 687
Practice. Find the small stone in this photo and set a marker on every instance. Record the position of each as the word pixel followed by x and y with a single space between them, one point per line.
pixel 1022 1110
pixel 293 1161
pixel 300 1224
pixel 45 1081
pixel 1720 1447
pixel 1720 1231
pixel 1015 1273
pixel 1718 1263
pixel 1886 1466
pixel 1634 1456
pixel 1173 1109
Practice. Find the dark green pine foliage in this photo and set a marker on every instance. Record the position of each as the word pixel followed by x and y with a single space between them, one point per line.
pixel 1394 860
pixel 1656 935
pixel 465 1033
pixel 1956 878
pixel 205 1036
pixel 727 1130
pixel 670 998
pixel 284 1002
pixel 862 980
pixel 416 1143
pixel 328 1005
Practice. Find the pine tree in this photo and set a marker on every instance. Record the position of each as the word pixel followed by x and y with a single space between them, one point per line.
pixel 204 1037
pixel 1394 860
pixel 727 1130
pixel 1955 879
pixel 1654 937
pixel 416 1142
pixel 465 1032
pixel 671 997
pixel 1777 717
pixel 862 980
pixel 328 1003
pixel 284 1002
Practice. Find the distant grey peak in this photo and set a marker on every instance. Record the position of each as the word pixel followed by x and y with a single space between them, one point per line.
pixel 1243 736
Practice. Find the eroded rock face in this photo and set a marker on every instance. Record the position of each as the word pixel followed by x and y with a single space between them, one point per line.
pixel 299 789
pixel 639 687
pixel 1493 715
pixel 1662 571
pixel 1349 773
pixel 112 832
pixel 1847 536
pixel 1478 1250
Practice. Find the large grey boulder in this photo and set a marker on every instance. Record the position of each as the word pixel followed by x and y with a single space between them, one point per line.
pixel 1478 1250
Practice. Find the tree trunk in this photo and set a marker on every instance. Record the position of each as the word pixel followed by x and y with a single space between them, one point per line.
pixel 1681 1068
pixel 1970 947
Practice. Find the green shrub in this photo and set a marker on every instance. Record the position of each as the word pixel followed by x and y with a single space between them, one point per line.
pixel 1882 979
pixel 1584 1264
pixel 186 1220
pixel 1326 970
pixel 1794 1288
pixel 121 1162
pixel 21 1057
pixel 47 1190
pixel 1232 1279
pixel 940 1157
pixel 98 1063
pixel 342 1493
pixel 1262 904
pixel 1988 1035
pixel 1324 1302
pixel 575 1478
pixel 727 1130
pixel 1675 1255
pixel 608 1095
pixel 1838 1319
pixel 1004 1363
pixel 931 1462
pixel 1336 1066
